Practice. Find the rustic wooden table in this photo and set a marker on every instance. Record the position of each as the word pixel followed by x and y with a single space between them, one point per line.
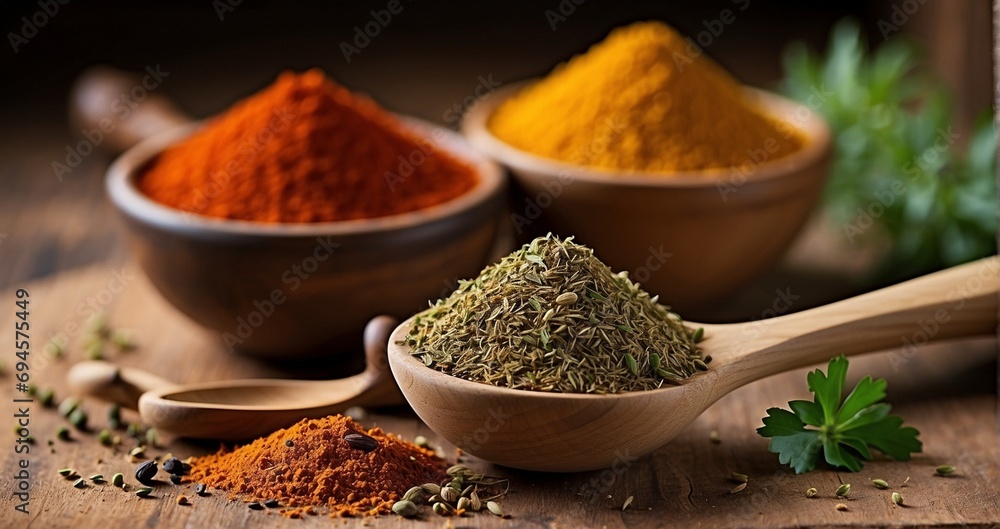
pixel 58 240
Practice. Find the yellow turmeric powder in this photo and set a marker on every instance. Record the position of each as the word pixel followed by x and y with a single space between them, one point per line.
pixel 642 101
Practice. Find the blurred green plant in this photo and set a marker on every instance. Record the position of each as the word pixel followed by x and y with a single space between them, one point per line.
pixel 898 170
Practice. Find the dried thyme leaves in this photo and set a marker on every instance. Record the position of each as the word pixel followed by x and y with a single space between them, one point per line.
pixel 552 317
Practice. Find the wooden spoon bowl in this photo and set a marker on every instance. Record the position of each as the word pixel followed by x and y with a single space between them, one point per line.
pixel 560 432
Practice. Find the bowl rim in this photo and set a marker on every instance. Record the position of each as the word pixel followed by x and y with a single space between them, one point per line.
pixel 813 127
pixel 122 175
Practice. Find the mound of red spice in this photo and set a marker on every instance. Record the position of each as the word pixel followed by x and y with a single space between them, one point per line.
pixel 311 464
pixel 305 150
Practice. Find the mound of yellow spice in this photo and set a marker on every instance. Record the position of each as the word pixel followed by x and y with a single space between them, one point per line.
pixel 642 101
pixel 312 464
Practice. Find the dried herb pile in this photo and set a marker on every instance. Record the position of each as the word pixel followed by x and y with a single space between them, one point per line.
pixel 553 317
pixel 331 462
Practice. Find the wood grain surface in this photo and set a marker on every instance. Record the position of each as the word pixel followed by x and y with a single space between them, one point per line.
pixel 944 391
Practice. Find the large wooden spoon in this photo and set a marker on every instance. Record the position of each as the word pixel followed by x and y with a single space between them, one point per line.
pixel 242 409
pixel 574 432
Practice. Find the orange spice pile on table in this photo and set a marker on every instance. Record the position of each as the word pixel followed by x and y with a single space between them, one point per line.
pixel 305 150
pixel 312 464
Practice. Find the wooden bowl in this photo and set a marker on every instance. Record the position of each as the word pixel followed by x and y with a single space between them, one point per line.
pixel 301 290
pixel 692 237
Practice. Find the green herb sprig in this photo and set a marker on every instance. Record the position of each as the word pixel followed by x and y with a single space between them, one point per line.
pixel 898 164
pixel 844 431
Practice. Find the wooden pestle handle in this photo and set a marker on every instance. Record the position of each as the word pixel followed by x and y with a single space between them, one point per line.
pixel 115 110
pixel 955 303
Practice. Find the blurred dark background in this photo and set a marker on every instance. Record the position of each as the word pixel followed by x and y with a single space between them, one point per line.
pixel 427 59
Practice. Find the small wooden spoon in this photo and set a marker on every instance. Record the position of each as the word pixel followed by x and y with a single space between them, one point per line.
pixel 243 409
pixel 575 432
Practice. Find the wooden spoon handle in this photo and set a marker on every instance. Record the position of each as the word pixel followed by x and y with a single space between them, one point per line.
pixel 108 381
pixel 954 303
pixel 243 409
pixel 114 110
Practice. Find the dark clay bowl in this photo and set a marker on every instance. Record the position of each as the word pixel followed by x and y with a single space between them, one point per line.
pixel 303 290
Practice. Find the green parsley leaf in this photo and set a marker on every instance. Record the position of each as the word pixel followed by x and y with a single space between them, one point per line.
pixel 845 431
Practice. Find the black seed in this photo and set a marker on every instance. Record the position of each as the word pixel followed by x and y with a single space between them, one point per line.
pixel 361 441
pixel 146 472
pixel 289 443
pixel 200 489
pixel 272 503
pixel 175 479
pixel 255 506
pixel 173 466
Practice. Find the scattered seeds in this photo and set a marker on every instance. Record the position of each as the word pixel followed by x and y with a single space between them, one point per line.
pixel 843 490
pixel 738 488
pixel 143 492
pixel 944 470
pixel 201 489
pixel 145 472
pixel 66 472
pixel 880 483
pixel 714 437
pixel 182 500
pixel 272 504
pixel 138 451
pixel 97 478
pixel 57 346
pixel 897 498
pixel 289 443
pixel 443 509
pixel 62 433
pixel 406 508
pixel 175 479
pixel 475 503
pixel 104 437
pixel 123 340
pixel 118 479
pixel 811 492
pixel 628 501
pixel 152 439
pixel 361 441
pixel 449 494
pixel 255 506
pixel 173 466
pixel 739 478
pixel 421 441
pixel 464 504
pixel 114 417
pixel 68 405
pixel 841 507
pixel 494 508
pixel 80 483
pixel 431 488
pixel 78 418
pixel 46 397
pixel 413 494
